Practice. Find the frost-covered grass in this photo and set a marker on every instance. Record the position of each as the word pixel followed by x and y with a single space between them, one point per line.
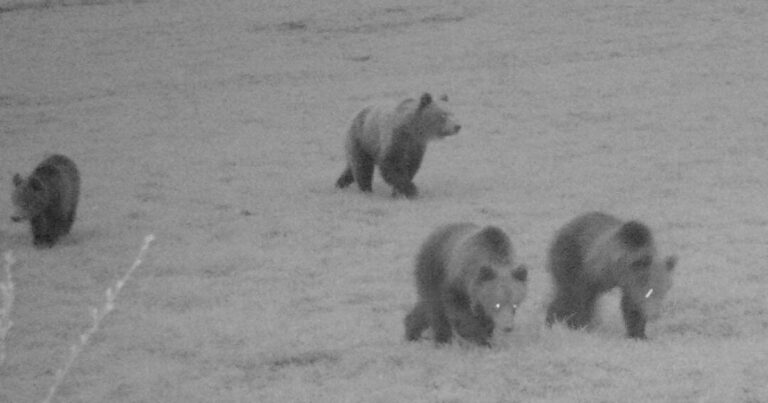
pixel 218 126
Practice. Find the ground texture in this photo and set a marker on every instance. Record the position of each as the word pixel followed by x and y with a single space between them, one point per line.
pixel 218 127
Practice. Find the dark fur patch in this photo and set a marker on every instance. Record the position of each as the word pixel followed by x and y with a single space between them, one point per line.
pixel 635 235
pixel 458 296
pixel 576 289
pixel 426 99
pixel 494 239
pixel 48 198
pixel 446 292
pixel 486 274
pixel 520 274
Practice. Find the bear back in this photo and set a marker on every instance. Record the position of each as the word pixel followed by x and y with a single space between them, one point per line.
pixel 419 120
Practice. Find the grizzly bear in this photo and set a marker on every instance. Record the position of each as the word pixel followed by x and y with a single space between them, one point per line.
pixel 468 283
pixel 48 199
pixel 595 253
pixel 394 137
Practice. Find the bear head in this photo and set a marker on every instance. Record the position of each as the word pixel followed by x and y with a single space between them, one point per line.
pixel 432 119
pixel 497 293
pixel 30 197
pixel 498 285
pixel 644 276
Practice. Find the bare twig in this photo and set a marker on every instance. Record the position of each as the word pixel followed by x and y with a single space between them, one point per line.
pixel 97 315
pixel 6 291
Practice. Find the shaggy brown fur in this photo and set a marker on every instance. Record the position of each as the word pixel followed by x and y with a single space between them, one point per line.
pixel 48 199
pixel 394 138
pixel 468 283
pixel 595 253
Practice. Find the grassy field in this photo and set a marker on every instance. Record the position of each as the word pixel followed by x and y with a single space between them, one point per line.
pixel 218 127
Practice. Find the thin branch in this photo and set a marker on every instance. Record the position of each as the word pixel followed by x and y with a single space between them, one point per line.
pixel 97 316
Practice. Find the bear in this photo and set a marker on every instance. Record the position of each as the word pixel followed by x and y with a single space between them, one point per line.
pixel 48 199
pixel 468 284
pixel 395 138
pixel 596 252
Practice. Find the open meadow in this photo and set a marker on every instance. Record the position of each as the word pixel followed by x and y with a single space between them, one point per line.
pixel 218 126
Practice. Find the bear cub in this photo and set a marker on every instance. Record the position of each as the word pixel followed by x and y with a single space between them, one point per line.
pixel 394 137
pixel 48 199
pixel 595 253
pixel 468 283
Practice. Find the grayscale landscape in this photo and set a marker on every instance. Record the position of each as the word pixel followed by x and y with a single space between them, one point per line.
pixel 218 127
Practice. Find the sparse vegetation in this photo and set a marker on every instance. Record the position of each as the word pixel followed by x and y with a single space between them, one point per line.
pixel 97 315
pixel 7 297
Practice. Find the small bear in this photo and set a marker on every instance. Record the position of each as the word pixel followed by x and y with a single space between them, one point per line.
pixel 468 283
pixel 48 199
pixel 394 137
pixel 597 252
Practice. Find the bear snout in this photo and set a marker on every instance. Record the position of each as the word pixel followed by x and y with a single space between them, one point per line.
pixel 451 130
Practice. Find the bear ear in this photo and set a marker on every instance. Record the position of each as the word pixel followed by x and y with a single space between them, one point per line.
pixel 17 180
pixel 486 273
pixel 444 97
pixel 635 234
pixel 495 240
pixel 670 262
pixel 426 99
pixel 520 273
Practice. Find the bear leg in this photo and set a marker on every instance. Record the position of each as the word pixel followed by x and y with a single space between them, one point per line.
pixel 414 158
pixel 345 179
pixel 416 322
pixel 400 164
pixel 574 308
pixel 361 164
pixel 559 310
pixel 66 225
pixel 42 234
pixel 474 329
pixel 438 321
pixel 634 319
pixel 59 226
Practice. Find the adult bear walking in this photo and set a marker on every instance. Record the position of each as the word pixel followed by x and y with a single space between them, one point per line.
pixel 394 137
pixel 48 199
pixel 595 253
pixel 468 283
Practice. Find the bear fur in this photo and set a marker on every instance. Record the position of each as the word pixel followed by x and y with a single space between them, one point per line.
pixel 595 253
pixel 48 199
pixel 468 283
pixel 394 137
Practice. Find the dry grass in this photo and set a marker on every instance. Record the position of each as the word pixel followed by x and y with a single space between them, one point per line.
pixel 218 127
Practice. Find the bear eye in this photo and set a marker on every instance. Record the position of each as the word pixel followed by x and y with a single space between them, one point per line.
pixel 514 308
pixel 497 306
pixel 649 293
pixel 641 263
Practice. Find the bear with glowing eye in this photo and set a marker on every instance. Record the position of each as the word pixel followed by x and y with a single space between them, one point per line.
pixel 595 253
pixel 468 284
